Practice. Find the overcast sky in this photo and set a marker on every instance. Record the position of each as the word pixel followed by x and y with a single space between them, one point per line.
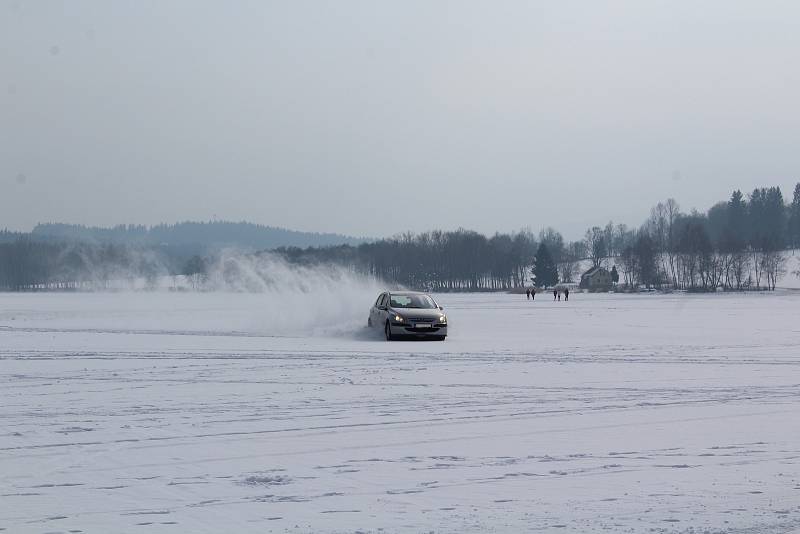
pixel 372 118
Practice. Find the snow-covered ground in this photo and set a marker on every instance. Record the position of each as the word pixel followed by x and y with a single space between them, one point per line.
pixel 791 276
pixel 172 412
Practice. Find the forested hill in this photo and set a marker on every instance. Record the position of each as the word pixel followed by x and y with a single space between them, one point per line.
pixel 196 235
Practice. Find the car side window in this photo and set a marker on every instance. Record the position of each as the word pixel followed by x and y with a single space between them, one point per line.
pixel 382 300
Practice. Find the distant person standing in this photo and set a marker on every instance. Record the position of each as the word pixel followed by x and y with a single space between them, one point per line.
pixel 528 293
pixel 559 296
pixel 566 294
pixel 533 293
pixel 555 294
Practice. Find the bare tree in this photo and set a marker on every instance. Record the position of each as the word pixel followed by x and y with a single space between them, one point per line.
pixel 195 271
pixel 672 212
pixel 569 267
pixel 774 266
pixel 608 235
pixel 596 245
pixel 629 262
pixel 740 268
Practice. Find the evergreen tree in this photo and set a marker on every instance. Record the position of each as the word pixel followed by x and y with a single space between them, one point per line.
pixel 645 251
pixel 776 219
pixel 545 269
pixel 794 218
pixel 736 236
pixel 555 243
pixel 767 219
pixel 195 265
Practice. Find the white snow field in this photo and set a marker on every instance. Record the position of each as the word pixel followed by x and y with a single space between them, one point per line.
pixel 185 412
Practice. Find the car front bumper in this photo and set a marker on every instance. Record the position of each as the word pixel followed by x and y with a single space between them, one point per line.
pixel 404 329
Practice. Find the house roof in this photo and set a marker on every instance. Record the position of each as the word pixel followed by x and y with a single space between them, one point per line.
pixel 592 271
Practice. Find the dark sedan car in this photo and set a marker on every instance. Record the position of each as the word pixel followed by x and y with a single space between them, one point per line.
pixel 408 314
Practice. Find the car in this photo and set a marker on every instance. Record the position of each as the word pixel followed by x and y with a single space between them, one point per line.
pixel 408 314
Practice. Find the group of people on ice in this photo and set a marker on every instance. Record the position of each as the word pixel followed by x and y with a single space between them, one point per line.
pixel 531 293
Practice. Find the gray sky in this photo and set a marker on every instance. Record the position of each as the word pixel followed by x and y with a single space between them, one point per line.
pixel 372 118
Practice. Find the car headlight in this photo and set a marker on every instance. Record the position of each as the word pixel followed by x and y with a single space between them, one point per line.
pixel 398 319
pixel 443 319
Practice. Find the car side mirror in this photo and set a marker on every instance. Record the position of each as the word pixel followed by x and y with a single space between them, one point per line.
pixel 441 308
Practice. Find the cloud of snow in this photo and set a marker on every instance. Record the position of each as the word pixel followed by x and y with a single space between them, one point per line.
pixel 240 292
pixel 321 299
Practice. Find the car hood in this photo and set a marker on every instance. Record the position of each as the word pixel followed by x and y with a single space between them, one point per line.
pixel 422 313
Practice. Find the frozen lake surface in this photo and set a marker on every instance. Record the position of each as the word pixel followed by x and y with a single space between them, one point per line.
pixel 168 412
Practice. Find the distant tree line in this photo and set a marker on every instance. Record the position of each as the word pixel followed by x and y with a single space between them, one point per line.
pixel 461 260
pixel 7 236
pixel 194 237
pixel 67 256
pixel 27 264
pixel 737 244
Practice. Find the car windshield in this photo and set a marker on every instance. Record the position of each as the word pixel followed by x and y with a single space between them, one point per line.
pixel 412 301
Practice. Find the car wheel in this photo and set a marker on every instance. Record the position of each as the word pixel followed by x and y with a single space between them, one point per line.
pixel 388 331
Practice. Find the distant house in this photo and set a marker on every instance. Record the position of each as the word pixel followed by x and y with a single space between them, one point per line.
pixel 596 279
